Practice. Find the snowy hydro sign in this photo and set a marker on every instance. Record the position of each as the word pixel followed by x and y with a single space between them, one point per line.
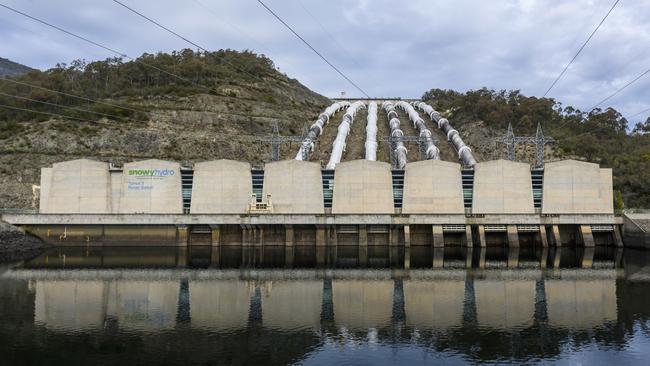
pixel 143 179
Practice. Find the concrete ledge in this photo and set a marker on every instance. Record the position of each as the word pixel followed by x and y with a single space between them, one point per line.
pixel 303 219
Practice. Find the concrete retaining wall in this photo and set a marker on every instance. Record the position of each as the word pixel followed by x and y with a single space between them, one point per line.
pixel 221 186
pixel 578 187
pixel 76 186
pixel 295 187
pixel 151 186
pixel 502 187
pixel 362 186
pixel 432 187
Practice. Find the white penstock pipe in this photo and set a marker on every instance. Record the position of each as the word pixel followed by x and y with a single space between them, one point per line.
pixel 371 132
pixel 430 148
pixel 464 152
pixel 399 151
pixel 338 146
pixel 316 130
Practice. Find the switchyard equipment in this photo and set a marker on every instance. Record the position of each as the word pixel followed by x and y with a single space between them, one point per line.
pixel 276 140
pixel 539 141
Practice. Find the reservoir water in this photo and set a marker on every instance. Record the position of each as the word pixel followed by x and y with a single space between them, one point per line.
pixel 313 306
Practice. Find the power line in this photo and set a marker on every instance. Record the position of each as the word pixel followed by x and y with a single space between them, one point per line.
pixel 622 88
pixel 73 95
pixel 239 30
pixel 340 46
pixel 45 113
pixel 66 107
pixel 183 38
pixel 581 48
pixel 636 114
pixel 312 48
pixel 121 54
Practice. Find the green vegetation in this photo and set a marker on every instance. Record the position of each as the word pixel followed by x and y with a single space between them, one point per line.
pixel 600 136
pixel 127 83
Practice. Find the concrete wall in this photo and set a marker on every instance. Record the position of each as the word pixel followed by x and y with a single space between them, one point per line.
pixel 436 304
pixel 607 190
pixel 432 187
pixel 295 186
pixel 288 305
pixel 219 305
pixel 46 183
pixel 362 186
pixel 76 186
pixel 116 190
pixel 576 187
pixel 502 187
pixel 143 192
pixel 221 186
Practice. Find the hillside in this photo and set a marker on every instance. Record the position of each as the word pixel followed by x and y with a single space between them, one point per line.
pixel 600 136
pixel 10 68
pixel 219 105
pixel 221 112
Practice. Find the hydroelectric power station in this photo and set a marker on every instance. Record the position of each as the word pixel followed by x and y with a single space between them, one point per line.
pixel 357 202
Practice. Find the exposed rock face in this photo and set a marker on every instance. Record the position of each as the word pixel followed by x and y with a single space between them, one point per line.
pixel 198 128
pixel 16 245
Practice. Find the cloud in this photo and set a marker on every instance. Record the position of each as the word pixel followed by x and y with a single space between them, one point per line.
pixel 389 48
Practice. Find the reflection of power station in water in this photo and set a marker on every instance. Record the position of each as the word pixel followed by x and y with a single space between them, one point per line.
pixel 358 305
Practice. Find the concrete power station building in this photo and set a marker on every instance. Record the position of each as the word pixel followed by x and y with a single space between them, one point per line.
pixel 354 202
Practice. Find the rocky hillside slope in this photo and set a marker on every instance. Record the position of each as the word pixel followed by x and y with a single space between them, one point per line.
pixel 223 114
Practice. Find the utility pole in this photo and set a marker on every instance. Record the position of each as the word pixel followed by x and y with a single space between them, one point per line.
pixel 539 140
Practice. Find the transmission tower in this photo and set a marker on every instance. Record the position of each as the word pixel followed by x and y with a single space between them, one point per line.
pixel 539 140
pixel 276 140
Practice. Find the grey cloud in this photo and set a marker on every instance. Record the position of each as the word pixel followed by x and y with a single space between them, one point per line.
pixel 398 48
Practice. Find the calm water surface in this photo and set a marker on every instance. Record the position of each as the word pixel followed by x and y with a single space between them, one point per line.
pixel 311 306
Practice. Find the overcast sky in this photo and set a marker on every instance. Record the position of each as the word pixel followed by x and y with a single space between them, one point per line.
pixel 389 48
